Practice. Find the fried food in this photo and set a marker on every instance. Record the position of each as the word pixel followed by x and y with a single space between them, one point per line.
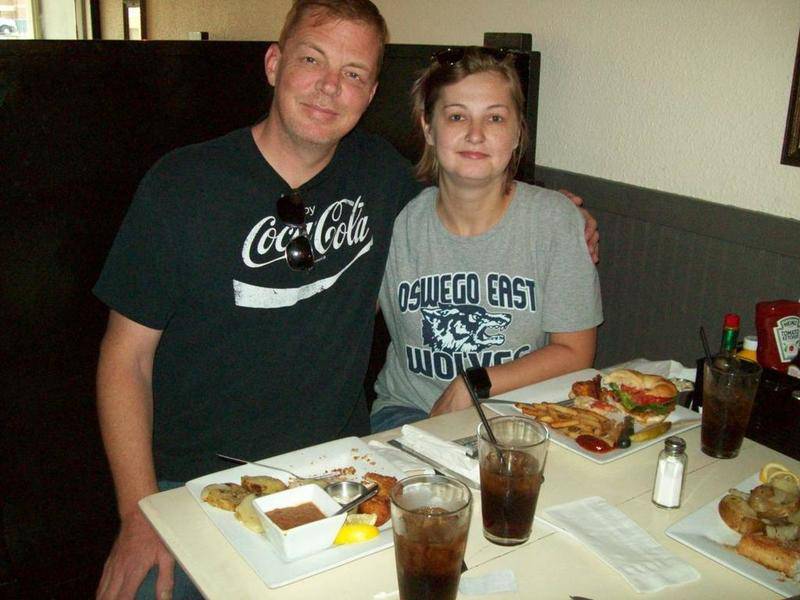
pixel 589 389
pixel 385 482
pixel 772 503
pixel 262 485
pixel 378 505
pixel 739 515
pixel 775 554
pixel 226 496
pixel 574 421
pixel 247 514
pixel 769 519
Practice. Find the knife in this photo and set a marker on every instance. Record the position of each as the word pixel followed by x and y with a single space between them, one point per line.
pixel 500 401
pixel 438 467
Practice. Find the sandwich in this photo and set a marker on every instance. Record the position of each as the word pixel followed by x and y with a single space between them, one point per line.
pixel 590 395
pixel 647 398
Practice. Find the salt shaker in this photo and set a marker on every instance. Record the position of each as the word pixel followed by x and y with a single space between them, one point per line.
pixel 670 473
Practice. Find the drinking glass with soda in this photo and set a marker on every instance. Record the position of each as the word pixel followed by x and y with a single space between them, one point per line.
pixel 430 519
pixel 729 388
pixel 511 476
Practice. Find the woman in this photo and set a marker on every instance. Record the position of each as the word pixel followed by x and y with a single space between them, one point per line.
pixel 483 271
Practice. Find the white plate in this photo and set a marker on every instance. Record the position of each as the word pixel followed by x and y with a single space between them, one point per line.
pixel 255 549
pixel 557 389
pixel 705 532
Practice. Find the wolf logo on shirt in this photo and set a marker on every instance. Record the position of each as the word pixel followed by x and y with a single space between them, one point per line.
pixel 450 328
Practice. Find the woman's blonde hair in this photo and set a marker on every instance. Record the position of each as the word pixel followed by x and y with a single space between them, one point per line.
pixel 449 67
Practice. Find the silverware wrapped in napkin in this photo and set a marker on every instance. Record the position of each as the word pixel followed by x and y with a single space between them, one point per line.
pixel 448 457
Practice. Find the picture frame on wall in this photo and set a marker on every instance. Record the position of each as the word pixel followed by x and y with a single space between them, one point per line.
pixel 791 141
pixel 134 19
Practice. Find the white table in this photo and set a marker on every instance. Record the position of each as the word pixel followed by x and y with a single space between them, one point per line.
pixel 551 566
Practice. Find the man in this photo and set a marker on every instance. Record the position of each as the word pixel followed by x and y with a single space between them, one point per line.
pixel 220 339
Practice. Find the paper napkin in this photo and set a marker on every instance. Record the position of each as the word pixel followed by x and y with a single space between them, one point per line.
pixel 403 461
pixel 448 454
pixel 495 582
pixel 621 543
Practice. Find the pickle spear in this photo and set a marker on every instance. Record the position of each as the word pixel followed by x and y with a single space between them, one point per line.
pixel 648 433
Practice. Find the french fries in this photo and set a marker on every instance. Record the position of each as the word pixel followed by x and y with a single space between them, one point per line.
pixel 574 421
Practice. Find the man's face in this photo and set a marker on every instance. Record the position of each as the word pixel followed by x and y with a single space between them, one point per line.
pixel 324 79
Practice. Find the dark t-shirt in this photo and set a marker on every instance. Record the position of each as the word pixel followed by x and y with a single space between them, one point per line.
pixel 255 359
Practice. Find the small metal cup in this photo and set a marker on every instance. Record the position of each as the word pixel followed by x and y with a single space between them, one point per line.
pixel 345 491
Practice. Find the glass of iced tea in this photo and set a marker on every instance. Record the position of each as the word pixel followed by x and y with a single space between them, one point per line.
pixel 729 388
pixel 430 518
pixel 511 476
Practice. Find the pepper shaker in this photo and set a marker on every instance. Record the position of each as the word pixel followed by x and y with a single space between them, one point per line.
pixel 670 473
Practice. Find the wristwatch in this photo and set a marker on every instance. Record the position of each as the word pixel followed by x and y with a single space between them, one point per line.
pixel 479 380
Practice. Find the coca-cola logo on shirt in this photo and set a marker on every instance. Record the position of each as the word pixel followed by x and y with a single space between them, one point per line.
pixel 342 224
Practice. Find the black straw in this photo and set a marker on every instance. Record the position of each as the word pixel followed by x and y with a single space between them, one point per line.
pixel 477 403
pixel 704 339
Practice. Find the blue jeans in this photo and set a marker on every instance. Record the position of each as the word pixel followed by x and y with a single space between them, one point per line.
pixel 390 417
pixel 184 588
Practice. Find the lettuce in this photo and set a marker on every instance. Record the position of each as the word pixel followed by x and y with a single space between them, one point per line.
pixel 626 400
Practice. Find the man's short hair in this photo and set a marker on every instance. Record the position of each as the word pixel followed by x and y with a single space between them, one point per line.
pixel 363 11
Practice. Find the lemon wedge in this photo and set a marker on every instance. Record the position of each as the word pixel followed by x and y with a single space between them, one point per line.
pixel 769 469
pixel 786 481
pixel 364 518
pixel 353 533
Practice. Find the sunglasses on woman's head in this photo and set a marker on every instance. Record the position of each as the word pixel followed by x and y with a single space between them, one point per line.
pixel 451 56
pixel 292 211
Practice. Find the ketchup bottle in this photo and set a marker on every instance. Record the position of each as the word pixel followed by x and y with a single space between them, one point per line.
pixel 794 367
pixel 778 328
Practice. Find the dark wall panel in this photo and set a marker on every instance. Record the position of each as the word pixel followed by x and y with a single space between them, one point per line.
pixel 670 264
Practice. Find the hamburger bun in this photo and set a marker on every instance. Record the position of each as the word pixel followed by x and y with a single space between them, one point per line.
pixel 654 385
pixel 647 398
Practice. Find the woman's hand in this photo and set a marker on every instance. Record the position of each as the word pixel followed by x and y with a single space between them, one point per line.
pixel 454 397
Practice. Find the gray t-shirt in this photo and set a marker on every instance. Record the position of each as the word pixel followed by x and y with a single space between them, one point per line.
pixel 453 302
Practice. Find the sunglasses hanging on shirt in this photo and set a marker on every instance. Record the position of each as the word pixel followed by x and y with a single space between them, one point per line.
pixel 292 211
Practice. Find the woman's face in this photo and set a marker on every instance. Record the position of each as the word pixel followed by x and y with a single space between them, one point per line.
pixel 474 129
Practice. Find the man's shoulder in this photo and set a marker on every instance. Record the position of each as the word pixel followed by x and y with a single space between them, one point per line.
pixel 362 143
pixel 208 152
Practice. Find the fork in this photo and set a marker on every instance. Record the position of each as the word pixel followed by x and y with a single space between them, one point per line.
pixel 242 461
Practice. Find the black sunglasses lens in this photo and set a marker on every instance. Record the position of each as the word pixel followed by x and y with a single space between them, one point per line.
pixel 299 255
pixel 292 210
pixel 451 56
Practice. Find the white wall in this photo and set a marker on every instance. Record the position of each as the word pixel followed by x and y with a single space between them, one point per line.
pixel 684 96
